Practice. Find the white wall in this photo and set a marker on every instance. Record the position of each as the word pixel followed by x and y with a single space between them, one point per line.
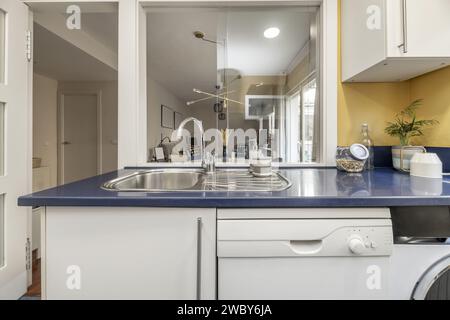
pixel 108 91
pixel 45 123
pixel 158 95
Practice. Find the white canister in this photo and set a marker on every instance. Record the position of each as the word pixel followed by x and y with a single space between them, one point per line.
pixel 426 165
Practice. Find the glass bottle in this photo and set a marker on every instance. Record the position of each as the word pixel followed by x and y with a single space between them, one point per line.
pixel 368 143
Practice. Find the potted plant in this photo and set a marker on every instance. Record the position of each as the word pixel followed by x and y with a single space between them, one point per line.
pixel 406 126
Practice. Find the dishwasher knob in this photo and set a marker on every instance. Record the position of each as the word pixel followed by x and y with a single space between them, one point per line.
pixel 356 244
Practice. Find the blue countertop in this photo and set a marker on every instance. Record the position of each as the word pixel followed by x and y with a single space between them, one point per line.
pixel 326 187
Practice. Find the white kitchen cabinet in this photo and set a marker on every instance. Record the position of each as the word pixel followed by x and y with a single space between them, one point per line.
pixel 129 253
pixel 393 40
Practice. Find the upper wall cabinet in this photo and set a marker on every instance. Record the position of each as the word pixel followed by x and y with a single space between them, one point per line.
pixel 393 40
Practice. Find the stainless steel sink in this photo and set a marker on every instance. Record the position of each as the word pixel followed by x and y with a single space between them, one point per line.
pixel 163 180
pixel 156 180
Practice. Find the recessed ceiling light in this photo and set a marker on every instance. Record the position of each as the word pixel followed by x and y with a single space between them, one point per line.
pixel 271 33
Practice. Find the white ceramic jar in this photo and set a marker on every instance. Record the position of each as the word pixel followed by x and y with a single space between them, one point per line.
pixel 426 165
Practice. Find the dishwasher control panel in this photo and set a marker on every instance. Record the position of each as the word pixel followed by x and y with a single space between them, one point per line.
pixel 304 237
pixel 370 240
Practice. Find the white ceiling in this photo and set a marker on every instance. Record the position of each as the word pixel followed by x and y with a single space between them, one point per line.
pixel 100 20
pixel 59 59
pixel 176 59
pixel 103 27
pixel 181 62
pixel 252 54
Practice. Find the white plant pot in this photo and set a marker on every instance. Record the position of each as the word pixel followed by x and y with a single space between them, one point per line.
pixel 402 155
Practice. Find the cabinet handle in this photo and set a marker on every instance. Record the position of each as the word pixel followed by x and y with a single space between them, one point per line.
pixel 199 259
pixel 404 27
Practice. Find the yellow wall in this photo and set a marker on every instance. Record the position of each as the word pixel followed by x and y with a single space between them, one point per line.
pixel 377 103
pixel 434 88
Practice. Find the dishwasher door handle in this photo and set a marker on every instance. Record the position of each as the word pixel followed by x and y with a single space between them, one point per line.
pixel 305 247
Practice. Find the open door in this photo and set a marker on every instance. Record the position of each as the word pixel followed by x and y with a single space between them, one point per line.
pixel 14 144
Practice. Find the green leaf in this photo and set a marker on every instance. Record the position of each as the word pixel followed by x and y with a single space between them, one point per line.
pixel 406 124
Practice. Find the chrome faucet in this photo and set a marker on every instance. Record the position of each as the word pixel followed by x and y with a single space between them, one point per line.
pixel 208 165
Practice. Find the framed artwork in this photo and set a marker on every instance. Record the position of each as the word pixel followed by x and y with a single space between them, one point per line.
pixel 167 117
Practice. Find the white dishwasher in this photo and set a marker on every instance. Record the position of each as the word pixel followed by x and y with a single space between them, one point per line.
pixel 303 253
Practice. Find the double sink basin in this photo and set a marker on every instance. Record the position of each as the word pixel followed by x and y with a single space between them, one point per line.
pixel 189 180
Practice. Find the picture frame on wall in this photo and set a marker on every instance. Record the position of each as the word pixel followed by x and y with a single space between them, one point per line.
pixel 167 117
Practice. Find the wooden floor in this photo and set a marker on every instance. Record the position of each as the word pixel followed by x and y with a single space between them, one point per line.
pixel 35 289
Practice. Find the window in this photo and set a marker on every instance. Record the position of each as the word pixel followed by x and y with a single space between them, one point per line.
pixel 309 120
pixel 301 124
pixel 163 71
pixel 237 69
pixel 293 136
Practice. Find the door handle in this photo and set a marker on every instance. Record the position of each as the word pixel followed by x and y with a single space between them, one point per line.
pixel 199 259
pixel 65 143
pixel 305 247
pixel 404 27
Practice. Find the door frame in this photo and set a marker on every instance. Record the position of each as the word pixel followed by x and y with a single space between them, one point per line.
pixel 30 149
pixel 60 128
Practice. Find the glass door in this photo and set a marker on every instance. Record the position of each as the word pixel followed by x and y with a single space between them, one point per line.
pixel 308 119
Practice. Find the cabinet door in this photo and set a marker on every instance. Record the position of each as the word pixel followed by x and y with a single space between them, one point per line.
pixel 363 30
pixel 129 253
pixel 420 28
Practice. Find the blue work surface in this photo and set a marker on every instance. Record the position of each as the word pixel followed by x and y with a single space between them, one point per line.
pixel 383 187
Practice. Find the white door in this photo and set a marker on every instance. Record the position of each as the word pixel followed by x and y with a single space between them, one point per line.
pixel 130 253
pixel 79 156
pixel 15 164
